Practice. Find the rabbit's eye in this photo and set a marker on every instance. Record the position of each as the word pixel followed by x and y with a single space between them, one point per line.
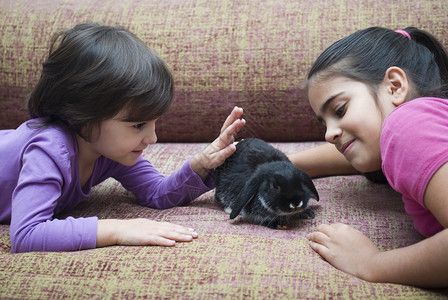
pixel 275 186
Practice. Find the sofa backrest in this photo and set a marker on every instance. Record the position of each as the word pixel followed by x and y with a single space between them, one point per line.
pixel 254 54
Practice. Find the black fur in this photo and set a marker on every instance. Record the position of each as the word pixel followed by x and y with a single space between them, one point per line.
pixel 259 182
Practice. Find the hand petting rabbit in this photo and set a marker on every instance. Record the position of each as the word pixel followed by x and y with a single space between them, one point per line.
pixel 259 182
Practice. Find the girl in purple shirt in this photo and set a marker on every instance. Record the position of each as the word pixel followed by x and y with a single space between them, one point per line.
pixel 93 113
pixel 361 89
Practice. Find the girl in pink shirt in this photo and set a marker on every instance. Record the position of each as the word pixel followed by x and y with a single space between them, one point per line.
pixel 361 89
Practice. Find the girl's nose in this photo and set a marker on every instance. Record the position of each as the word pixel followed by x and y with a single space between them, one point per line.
pixel 333 133
pixel 150 138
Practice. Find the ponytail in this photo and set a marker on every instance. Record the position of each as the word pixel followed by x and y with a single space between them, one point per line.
pixel 430 42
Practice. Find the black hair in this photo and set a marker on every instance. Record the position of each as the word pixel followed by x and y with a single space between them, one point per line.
pixel 366 55
pixel 93 72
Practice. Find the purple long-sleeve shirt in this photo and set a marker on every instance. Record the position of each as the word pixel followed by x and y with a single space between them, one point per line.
pixel 39 177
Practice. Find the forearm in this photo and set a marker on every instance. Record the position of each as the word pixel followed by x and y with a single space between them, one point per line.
pixel 181 187
pixel 70 234
pixel 322 160
pixel 424 264
pixel 157 191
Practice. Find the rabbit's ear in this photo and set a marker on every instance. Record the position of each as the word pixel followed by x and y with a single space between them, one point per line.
pixel 239 207
pixel 247 194
pixel 310 185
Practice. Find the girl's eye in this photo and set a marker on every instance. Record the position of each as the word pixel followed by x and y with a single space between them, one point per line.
pixel 340 111
pixel 139 125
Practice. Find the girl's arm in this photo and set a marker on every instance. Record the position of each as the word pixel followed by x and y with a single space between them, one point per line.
pixel 160 192
pixel 36 197
pixel 423 264
pixel 322 160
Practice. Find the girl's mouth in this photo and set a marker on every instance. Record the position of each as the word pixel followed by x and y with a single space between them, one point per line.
pixel 138 152
pixel 346 147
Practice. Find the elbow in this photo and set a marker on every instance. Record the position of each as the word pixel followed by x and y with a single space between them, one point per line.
pixel 19 243
pixel 17 250
pixel 17 246
pixel 158 205
pixel 23 240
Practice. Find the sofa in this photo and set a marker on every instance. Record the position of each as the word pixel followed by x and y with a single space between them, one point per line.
pixel 222 53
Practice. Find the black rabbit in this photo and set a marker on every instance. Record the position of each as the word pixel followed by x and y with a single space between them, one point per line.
pixel 259 182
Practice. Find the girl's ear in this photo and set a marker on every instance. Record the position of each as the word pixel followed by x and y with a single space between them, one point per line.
pixel 397 85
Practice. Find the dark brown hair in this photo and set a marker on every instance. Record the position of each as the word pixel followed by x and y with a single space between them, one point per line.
pixel 93 72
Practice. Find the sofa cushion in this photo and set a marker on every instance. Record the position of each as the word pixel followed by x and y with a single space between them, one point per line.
pixel 254 54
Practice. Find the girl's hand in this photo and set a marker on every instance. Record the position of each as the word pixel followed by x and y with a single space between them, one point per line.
pixel 139 232
pixel 221 148
pixel 346 248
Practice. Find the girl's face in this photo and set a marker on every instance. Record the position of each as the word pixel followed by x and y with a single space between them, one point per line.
pixel 353 118
pixel 121 141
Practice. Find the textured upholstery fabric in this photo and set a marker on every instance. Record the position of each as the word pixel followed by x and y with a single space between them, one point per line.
pixel 229 260
pixel 222 53
pixel 254 54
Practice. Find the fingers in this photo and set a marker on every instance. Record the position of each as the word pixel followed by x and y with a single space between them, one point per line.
pixel 236 114
pixel 321 239
pixel 325 232
pixel 231 127
pixel 168 240
pixel 225 153
pixel 227 135
pixel 221 148
pixel 160 241
pixel 176 232
pixel 318 241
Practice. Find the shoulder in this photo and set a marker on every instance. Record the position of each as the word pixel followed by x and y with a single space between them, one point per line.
pixel 35 154
pixel 32 139
pixel 422 116
pixel 413 111
pixel 414 143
